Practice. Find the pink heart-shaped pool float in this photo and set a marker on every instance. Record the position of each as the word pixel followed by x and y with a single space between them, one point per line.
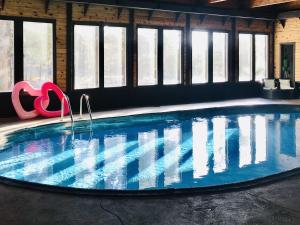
pixel 15 97
pixel 40 102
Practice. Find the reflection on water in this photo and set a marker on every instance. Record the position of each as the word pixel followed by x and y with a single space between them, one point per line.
pixel 260 139
pixel 245 141
pixel 219 137
pixel 178 153
pixel 85 152
pixel 200 151
pixel 115 176
pixel 172 147
pixel 148 151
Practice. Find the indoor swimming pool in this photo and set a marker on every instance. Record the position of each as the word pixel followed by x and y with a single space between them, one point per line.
pixel 175 150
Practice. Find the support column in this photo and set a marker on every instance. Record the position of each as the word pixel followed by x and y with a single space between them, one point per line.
pixel 70 63
pixel 188 51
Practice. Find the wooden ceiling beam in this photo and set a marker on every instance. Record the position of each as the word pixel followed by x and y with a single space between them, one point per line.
pixel 216 1
pixel 177 16
pixel 47 3
pixel 289 14
pixel 120 10
pixel 201 18
pixel 2 4
pixel 85 9
pixel 150 14
pixel 263 3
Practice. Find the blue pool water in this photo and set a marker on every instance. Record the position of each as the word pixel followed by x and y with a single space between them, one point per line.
pixel 160 151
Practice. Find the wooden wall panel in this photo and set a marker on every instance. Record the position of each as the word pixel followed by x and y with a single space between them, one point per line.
pixel 99 13
pixel 290 33
pixel 210 22
pixel 260 26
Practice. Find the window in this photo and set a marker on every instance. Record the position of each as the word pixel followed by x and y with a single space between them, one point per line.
pixel 172 57
pixel 86 56
pixel 147 56
pixel 7 55
pixel 220 57
pixel 200 57
pixel 245 57
pixel 261 57
pixel 114 56
pixel 38 52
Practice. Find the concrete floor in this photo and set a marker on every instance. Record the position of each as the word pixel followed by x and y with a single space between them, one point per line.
pixel 273 204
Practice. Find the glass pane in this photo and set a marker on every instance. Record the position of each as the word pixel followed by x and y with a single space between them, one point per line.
pixel 245 57
pixel 147 56
pixel 220 57
pixel 200 57
pixel 114 56
pixel 38 52
pixel 86 56
pixel 7 55
pixel 172 57
pixel 261 57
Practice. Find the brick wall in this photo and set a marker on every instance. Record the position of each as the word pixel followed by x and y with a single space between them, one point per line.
pixel 290 33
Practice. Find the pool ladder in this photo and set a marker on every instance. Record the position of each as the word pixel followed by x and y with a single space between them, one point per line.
pixel 87 101
pixel 86 98
pixel 67 99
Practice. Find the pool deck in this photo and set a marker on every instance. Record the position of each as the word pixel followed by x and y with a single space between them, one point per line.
pixel 273 204
pixel 12 124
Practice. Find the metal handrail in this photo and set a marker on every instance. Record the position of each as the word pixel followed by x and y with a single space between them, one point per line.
pixel 86 97
pixel 66 98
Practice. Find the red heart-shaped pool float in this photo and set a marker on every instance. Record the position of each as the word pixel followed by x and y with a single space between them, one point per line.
pixel 39 102
pixel 15 97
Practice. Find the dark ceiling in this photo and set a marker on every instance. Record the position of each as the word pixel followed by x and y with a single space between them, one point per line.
pixel 255 5
pixel 264 9
pixel 225 4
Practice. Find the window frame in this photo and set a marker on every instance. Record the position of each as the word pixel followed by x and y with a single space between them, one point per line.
pixel 101 54
pixel 268 64
pixel 181 57
pixel 210 32
pixel 101 25
pixel 18 46
pixel 253 57
pixel 209 63
pixel 253 33
pixel 160 55
pixel 159 41
pixel 127 73
pixel 228 59
pixel 15 77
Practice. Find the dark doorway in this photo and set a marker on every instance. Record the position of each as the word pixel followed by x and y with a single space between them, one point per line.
pixel 287 69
